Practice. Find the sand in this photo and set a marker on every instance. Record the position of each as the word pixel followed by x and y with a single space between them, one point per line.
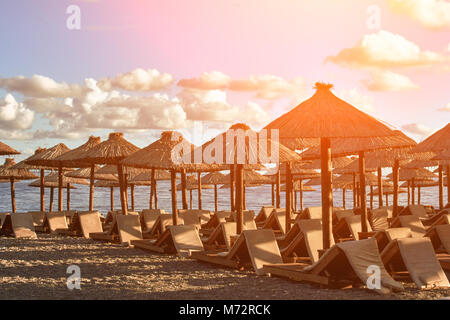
pixel 36 269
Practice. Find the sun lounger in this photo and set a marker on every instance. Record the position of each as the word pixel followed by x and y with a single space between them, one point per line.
pixel 442 217
pixel 129 228
pixel 252 247
pixel 215 220
pixel 181 239
pixel 263 214
pixel 414 257
pixel 417 210
pixel 159 227
pixel 18 225
pixel 89 222
pixel 341 214
pixel 379 219
pixel 38 220
pixel 384 237
pixel 190 218
pixel 440 237
pixel 220 239
pixel 276 221
pixel 411 222
pixel 349 228
pixel 343 264
pixel 311 213
pixel 55 222
pixel 149 217
pixel 3 217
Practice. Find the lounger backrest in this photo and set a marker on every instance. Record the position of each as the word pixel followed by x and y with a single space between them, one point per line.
pixel 262 248
pixel 420 260
pixel 3 217
pixel 89 222
pixel 354 225
pixel 166 220
pixel 38 217
pixel 341 214
pixel 250 225
pixel 264 213
pixel 417 210
pixel 314 212
pixel 159 211
pixel 413 223
pixel 190 218
pixel 443 231
pixel 56 220
pixel 149 218
pixel 186 239
pixel 228 230
pixel 129 227
pixel 379 219
pixel 280 218
pixel 312 233
pixel 398 233
pixel 22 225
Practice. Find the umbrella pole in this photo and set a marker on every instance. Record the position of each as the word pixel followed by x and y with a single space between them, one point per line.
pixel 190 199
pixel 199 190
pixel 278 178
pixel 91 188
pixel 413 192
pixel 13 195
pixel 125 182
pixel 418 195
pixel 380 188
pixel 354 189
pixel 387 199
pixel 441 188
pixel 173 188
pixel 132 196
pixel 409 194
pixel 288 196
pixel 155 194
pixel 273 195
pixel 448 184
pixel 152 188
pixel 112 198
pixel 295 201
pixel 343 197
pixel 68 197
pixel 239 198
pixel 60 189
pixel 122 189
pixel 232 205
pixel 362 182
pixel 371 197
pixel 395 169
pixel 42 190
pixel 215 198
pixel 301 196
pixel 50 207
pixel 244 205
pixel 325 175
pixel 183 189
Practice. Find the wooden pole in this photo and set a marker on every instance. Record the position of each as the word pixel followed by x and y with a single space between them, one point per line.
pixel 155 195
pixel 13 195
pixel 288 196
pixel 239 198
pixel 91 187
pixel 395 169
pixel 362 183
pixel 173 188
pixel 409 194
pixel 295 200
pixel 418 195
pixel 132 197
pixel 273 195
pixel 68 196
pixel 448 184
pixel 216 204
pixel 371 197
pixel 380 188
pixel 183 189
pixel 60 188
pixel 358 198
pixel 278 182
pixel 343 197
pixel 50 207
pixel 125 184
pixel 413 192
pixel 199 190
pixel 232 199
pixel 112 198
pixel 244 204
pixel 354 190
pixel 441 188
pixel 152 188
pixel 123 202
pixel 325 168
pixel 387 200
pixel 190 199
pixel 301 195
pixel 42 190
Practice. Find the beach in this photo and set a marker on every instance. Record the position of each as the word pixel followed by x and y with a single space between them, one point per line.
pixel 36 269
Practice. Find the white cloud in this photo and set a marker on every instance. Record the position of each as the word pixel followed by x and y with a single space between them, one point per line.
pixel 137 80
pixel 214 80
pixel 417 129
pixel 446 108
pixel 357 99
pixel 41 87
pixel 14 115
pixel 386 50
pixel 433 14
pixel 388 81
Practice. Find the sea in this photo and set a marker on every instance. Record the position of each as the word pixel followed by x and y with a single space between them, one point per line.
pixel 27 198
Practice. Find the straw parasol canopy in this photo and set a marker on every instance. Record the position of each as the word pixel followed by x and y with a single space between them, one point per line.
pixel 437 142
pixel 48 184
pixel 46 158
pixel 387 190
pixel 250 177
pixel 416 164
pixel 146 176
pixel 416 174
pixel 296 187
pixel 192 184
pixel 106 184
pixel 6 150
pixel 214 178
pixel 353 167
pixel 85 173
pixel 336 163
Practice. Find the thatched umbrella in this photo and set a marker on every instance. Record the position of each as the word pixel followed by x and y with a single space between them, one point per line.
pixel 85 173
pixel 6 150
pixel 108 184
pixel 326 117
pixel 192 184
pixel 7 172
pixel 437 142
pixel 413 176
pixel 419 184
pixel 170 152
pixel 47 159
pixel 112 152
pixel 444 160
pixel 214 178
pixel 151 179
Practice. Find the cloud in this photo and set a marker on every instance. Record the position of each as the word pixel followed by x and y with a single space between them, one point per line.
pixel 417 129
pixel 14 115
pixel 41 87
pixel 386 50
pixel 446 108
pixel 137 80
pixel 264 86
pixel 357 99
pixel 388 81
pixel 433 14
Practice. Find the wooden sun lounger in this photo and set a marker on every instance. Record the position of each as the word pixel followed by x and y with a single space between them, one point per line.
pixel 311 213
pixel 18 225
pixel 216 219
pixel 38 220
pixel 55 222
pixel 417 210
pixel 349 228
pixel 220 239
pixel 276 221
pixel 411 222
pixel 190 218
pixel 342 265
pixel 123 229
pixel 159 227
pixel 307 242
pixel 252 247
pixel 379 218
pixel 443 217
pixel 263 214
pixel 416 257
pixel 148 217
pixel 341 214
pixel 89 222
pixel 181 239
pixel 2 218
pixel 440 237
pixel 384 237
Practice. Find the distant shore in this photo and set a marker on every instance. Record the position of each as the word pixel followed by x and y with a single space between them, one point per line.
pixel 36 269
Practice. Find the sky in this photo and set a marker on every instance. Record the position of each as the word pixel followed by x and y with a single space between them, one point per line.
pixel 198 66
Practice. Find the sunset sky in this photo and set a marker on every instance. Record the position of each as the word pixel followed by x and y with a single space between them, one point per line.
pixel 142 66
